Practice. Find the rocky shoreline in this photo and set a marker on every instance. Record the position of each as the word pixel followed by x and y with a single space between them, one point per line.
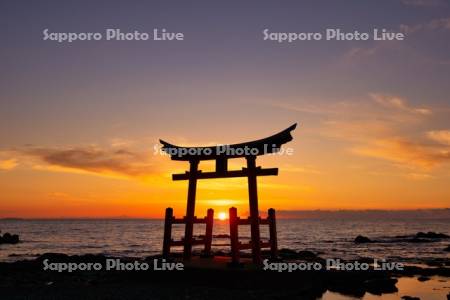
pixel 28 280
pixel 213 277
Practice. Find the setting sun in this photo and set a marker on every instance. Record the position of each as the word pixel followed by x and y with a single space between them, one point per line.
pixel 222 216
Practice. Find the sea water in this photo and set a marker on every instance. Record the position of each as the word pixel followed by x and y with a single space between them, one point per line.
pixel 143 237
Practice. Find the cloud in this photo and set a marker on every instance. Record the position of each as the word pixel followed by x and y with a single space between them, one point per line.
pixel 440 136
pixel 419 176
pixel 121 143
pixel 405 151
pixel 383 106
pixel 393 134
pixel 415 47
pixel 304 170
pixel 360 52
pixel 423 3
pixel 399 103
pixel 380 116
pixel 435 24
pixel 386 127
pixel 8 164
pixel 93 159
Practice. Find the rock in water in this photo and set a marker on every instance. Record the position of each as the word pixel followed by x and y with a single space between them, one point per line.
pixel 360 239
pixel 286 253
pixel 381 285
pixel 54 257
pixel 8 238
pixel 432 235
pixel 305 254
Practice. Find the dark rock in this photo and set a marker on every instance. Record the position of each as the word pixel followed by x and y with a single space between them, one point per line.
pixel 63 258
pixel 437 262
pixel 53 257
pixel 221 236
pixel 8 238
pixel 419 240
pixel 305 254
pixel 220 253
pixel 92 258
pixel 447 249
pixel 287 253
pixel 366 260
pixel 360 239
pixel 347 288
pixel 448 296
pixel 379 286
pixel 423 278
pixel 410 298
pixel 15 238
pixel 431 235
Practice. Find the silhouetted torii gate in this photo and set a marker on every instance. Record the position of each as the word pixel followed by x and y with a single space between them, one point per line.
pixel 221 154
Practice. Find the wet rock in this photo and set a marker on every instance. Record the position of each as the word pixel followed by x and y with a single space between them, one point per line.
pixel 220 253
pixel 437 262
pixel 410 298
pixel 380 286
pixel 287 253
pixel 84 258
pixel 423 278
pixel 53 257
pixel 305 254
pixel 419 240
pixel 428 237
pixel 431 235
pixel 92 258
pixel 366 260
pixel 360 239
pixel 8 238
pixel 348 287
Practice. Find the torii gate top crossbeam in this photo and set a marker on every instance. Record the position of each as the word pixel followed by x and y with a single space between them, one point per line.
pixel 263 146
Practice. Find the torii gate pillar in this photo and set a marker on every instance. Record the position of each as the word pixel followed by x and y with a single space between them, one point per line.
pixel 190 209
pixel 254 211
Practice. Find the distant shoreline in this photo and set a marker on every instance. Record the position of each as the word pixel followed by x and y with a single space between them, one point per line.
pixel 413 214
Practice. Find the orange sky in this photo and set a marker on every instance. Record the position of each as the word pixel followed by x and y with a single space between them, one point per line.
pixel 127 179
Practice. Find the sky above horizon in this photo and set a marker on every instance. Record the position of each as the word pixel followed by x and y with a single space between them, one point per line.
pixel 79 121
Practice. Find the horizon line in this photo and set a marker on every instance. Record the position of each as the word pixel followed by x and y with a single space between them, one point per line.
pixel 322 211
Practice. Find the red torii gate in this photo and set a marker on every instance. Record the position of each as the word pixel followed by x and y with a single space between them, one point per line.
pixel 221 154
